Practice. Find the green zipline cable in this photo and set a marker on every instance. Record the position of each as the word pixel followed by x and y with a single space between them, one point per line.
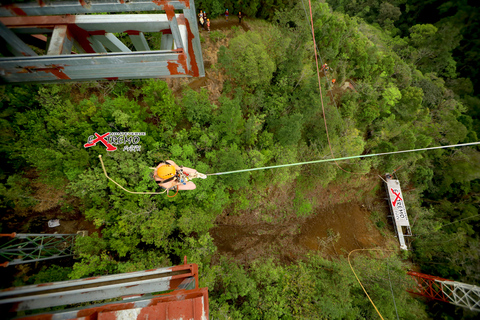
pixel 345 158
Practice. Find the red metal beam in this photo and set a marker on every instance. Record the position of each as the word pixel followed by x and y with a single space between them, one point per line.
pixel 427 286
pixel 181 304
pixel 48 22
pixel 11 235
pixel 97 288
pixel 84 32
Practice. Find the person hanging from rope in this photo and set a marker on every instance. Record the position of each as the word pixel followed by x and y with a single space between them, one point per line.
pixel 325 68
pixel 200 17
pixel 168 175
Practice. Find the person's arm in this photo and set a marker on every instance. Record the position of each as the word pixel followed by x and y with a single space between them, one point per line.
pixel 173 164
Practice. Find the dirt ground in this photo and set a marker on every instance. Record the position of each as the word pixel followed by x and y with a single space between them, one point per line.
pixel 214 79
pixel 35 220
pixel 338 224
pixel 343 226
pixel 221 24
pixel 48 203
pixel 334 231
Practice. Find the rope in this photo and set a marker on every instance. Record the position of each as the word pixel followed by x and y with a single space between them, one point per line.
pixel 173 195
pixel 320 87
pixel 106 175
pixel 459 220
pixel 391 289
pixel 346 158
pixel 428 233
pixel 359 279
pixel 325 73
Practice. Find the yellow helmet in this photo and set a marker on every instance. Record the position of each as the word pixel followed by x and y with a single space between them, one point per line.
pixel 166 171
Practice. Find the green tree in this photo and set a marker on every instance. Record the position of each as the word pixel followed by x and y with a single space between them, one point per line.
pixel 288 129
pixel 161 102
pixel 388 11
pixel 198 108
pixel 409 107
pixel 229 122
pixel 247 60
pixel 229 159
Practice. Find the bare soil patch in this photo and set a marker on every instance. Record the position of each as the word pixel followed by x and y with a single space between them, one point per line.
pixel 214 78
pixel 34 219
pixel 47 202
pixel 334 231
pixel 37 222
pixel 339 223
pixel 340 229
pixel 222 24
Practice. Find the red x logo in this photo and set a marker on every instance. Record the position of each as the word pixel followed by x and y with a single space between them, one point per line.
pixel 102 140
pixel 398 197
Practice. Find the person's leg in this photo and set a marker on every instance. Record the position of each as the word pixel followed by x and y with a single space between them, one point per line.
pixel 192 173
pixel 188 186
pixel 189 170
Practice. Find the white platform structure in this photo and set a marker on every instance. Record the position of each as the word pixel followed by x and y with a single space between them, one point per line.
pixel 50 41
pixel 398 210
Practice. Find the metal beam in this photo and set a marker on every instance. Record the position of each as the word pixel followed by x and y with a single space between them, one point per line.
pixel 96 45
pixel 185 304
pixel 462 294
pixel 99 288
pixel 46 7
pixel 92 34
pixel 78 46
pixel 176 33
pixel 167 42
pixel 31 247
pixel 193 49
pixel 94 24
pixel 139 41
pixel 111 42
pixel 134 65
pixel 457 293
pixel 14 44
pixel 61 42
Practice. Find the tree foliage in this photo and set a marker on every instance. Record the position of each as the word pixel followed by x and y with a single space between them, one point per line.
pixel 247 60
pixel 405 93
pixel 316 288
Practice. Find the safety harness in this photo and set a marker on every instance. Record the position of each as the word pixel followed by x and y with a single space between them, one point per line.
pixel 180 176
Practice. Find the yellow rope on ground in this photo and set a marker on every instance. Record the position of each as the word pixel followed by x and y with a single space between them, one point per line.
pixel 106 175
pixel 359 279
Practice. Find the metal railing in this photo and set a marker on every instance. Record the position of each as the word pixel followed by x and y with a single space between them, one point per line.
pixel 33 247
